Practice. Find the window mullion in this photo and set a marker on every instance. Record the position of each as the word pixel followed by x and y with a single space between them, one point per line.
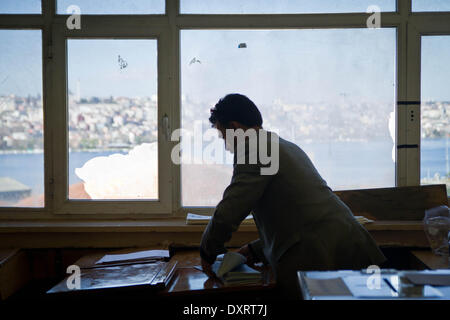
pixel 48 11
pixel 403 7
pixel 412 109
pixel 58 118
pixel 173 51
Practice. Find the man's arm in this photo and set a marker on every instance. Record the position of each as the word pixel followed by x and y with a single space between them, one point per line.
pixel 257 249
pixel 240 197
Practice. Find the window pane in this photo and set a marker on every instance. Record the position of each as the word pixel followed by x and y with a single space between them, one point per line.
pixel 21 116
pixel 435 111
pixel 431 5
pixel 113 6
pixel 281 6
pixel 20 6
pixel 113 129
pixel 332 92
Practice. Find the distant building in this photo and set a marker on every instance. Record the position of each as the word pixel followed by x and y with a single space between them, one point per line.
pixel 13 190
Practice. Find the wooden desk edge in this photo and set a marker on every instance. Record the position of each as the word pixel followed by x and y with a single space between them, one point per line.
pixel 430 260
pixel 164 225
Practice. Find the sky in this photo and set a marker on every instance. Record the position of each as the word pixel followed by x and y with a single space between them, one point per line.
pixel 220 6
pixel 94 64
pixel 285 64
pixel 294 66
pixel 281 6
pixel 20 62
pixel 435 75
pixel 202 6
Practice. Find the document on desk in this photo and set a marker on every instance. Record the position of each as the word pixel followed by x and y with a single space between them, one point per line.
pixel 151 275
pixel 387 288
pixel 358 285
pixel 137 256
pixel 363 220
pixel 337 285
pixel 232 270
pixel 155 275
pixel 192 218
pixel 433 278
pixel 327 287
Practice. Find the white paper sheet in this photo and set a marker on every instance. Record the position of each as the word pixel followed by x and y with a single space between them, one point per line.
pixel 134 256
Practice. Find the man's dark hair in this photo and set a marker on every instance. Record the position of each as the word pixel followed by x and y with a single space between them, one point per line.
pixel 236 107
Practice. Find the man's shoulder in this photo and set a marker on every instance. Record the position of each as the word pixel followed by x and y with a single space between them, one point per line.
pixel 289 146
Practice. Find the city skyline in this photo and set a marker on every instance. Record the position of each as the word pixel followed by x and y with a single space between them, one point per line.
pixel 96 123
pixel 104 124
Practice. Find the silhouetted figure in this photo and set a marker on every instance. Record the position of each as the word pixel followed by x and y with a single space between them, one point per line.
pixel 302 224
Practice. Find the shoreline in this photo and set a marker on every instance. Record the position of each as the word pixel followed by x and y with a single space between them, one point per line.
pixel 39 151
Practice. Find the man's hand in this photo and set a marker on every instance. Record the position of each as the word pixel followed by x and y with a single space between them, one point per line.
pixel 207 269
pixel 251 260
pixel 247 253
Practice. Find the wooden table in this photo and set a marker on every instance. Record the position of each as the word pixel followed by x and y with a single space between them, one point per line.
pixel 430 260
pixel 189 282
pixel 14 271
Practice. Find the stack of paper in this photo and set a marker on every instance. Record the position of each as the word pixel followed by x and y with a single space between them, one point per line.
pixel 363 220
pixel 232 270
pixel 192 218
pixel 326 287
pixel 154 275
pixel 137 256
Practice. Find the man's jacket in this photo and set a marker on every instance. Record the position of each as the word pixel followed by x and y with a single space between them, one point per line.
pixel 293 205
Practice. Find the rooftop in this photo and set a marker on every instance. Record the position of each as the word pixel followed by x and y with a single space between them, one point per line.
pixel 10 185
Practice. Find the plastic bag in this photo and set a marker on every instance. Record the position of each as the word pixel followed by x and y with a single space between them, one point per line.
pixel 437 228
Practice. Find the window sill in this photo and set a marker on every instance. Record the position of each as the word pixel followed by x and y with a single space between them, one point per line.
pixel 161 232
pixel 160 225
pixel 154 225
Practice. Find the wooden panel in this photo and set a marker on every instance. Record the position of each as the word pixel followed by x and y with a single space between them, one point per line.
pixel 43 263
pixel 190 281
pixel 6 254
pixel 14 271
pixel 400 230
pixel 400 203
pixel 430 260
pixel 390 238
pixel 112 240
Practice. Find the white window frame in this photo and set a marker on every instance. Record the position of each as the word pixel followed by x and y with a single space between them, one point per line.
pixel 166 28
pixel 59 118
pixel 422 24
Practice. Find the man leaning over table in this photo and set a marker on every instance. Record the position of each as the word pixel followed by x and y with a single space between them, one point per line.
pixel 302 224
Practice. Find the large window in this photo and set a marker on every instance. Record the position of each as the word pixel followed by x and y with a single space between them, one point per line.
pixel 89 103
pixel 332 92
pixel 435 110
pixel 113 125
pixel 21 114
